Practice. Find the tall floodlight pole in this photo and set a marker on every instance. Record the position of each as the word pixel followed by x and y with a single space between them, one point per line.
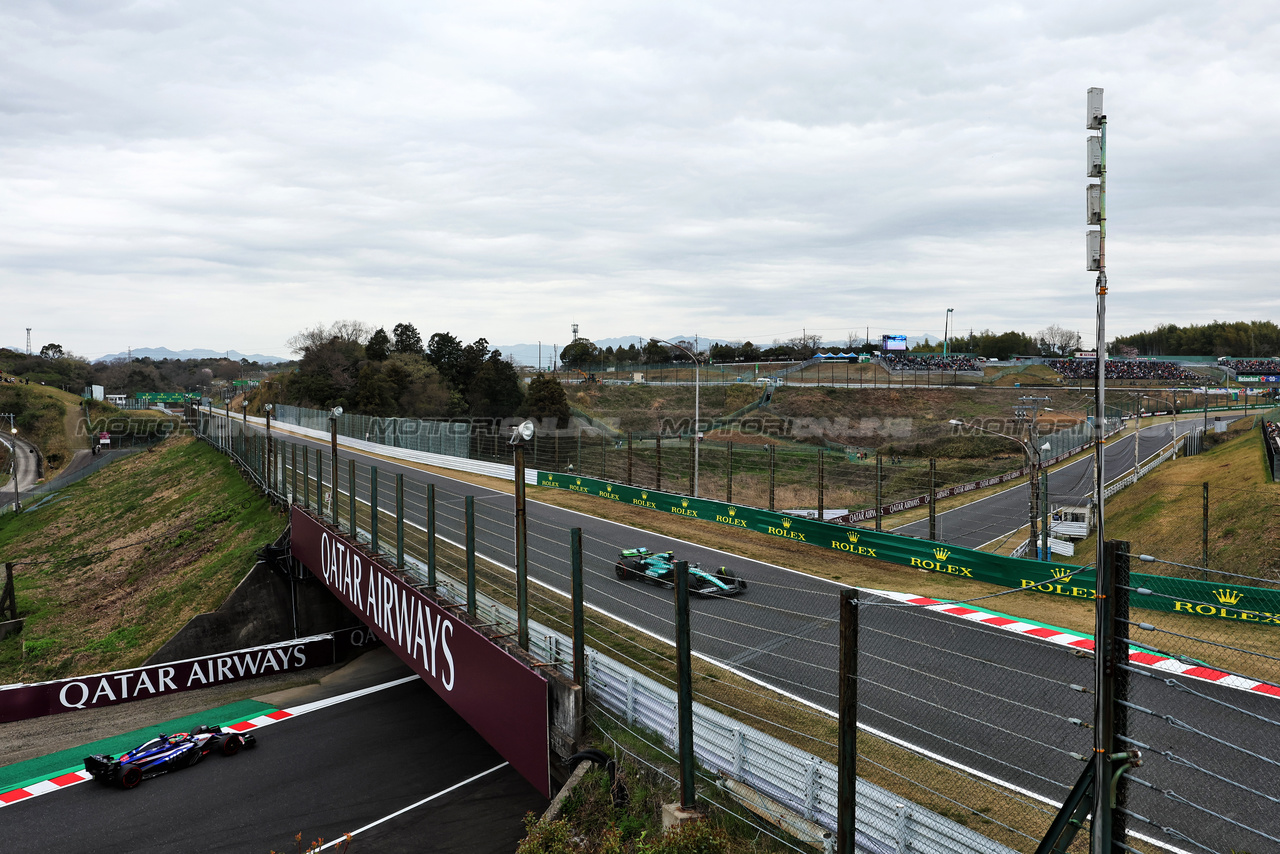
pixel 946 325
pixel 1104 681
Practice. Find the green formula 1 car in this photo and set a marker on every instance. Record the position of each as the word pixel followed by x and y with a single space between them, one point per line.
pixel 659 568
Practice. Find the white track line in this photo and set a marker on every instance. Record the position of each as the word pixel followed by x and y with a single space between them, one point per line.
pixel 399 812
pixel 73 776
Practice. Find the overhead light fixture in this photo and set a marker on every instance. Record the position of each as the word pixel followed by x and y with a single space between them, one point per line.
pixel 524 432
pixel 336 412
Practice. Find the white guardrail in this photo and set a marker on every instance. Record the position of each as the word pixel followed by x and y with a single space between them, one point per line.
pixel 426 458
pixel 887 823
pixel 792 777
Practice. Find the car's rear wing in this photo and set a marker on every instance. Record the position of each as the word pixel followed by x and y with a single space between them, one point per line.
pixel 98 763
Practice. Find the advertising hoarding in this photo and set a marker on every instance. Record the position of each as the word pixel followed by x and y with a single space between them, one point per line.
pixel 502 699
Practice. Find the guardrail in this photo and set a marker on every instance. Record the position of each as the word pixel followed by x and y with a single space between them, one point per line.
pixel 800 781
pixel 498 470
pixel 803 783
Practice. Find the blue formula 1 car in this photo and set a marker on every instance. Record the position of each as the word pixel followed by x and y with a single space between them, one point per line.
pixel 163 754
pixel 659 568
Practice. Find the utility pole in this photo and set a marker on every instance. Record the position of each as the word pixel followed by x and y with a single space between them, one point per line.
pixel 1101 826
pixel 1032 403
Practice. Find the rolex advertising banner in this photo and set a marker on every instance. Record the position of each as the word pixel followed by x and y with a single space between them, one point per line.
pixel 1180 595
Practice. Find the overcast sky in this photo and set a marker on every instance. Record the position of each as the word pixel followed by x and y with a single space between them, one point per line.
pixel 224 174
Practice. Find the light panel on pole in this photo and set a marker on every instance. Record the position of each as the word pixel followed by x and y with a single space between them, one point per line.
pixel 1093 109
pixel 1094 159
pixel 1093 204
pixel 1093 250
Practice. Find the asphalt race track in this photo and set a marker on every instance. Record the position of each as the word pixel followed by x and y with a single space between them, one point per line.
pixel 979 522
pixel 783 633
pixel 322 774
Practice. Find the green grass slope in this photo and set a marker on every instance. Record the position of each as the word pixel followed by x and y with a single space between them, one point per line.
pixel 109 568
pixel 1162 514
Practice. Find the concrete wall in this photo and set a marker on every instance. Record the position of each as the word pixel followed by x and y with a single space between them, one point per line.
pixel 260 610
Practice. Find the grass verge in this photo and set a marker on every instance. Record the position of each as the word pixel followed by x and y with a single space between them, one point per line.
pixel 113 567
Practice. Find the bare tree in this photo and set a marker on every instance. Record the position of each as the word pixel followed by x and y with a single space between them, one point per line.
pixel 1057 340
pixel 350 331
pixel 804 346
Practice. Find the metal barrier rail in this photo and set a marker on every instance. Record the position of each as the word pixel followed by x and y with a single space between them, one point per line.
pixel 793 777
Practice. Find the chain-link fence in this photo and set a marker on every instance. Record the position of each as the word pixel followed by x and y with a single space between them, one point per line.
pixel 966 714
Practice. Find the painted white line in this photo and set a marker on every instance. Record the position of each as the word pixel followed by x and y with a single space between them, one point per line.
pixel 400 812
pixel 70 777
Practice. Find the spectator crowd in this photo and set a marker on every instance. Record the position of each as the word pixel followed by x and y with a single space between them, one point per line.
pixel 895 362
pixel 1251 366
pixel 1126 369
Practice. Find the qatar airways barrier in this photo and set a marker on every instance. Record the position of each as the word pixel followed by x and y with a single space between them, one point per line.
pixel 19 702
pixel 500 697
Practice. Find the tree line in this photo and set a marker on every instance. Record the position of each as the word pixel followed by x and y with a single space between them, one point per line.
pixel 58 367
pixel 373 372
pixel 1255 339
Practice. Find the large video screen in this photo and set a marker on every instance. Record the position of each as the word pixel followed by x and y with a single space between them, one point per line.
pixel 893 342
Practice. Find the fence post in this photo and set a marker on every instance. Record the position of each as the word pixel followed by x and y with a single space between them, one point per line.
pixel 847 747
pixel 579 627
pixel 471 555
pixel 306 479
pixel 728 460
pixel 657 447
pixel 521 545
pixel 431 535
pixel 879 481
pixel 1204 534
pixel 373 508
pixel 1121 713
pixel 684 680
pixel 8 601
pixel 351 497
pixel 320 482
pixel 400 521
pixel 773 456
pixel 1044 511
pixel 630 458
pixel 821 486
pixel 933 499
pixel 1111 688
pixel 293 472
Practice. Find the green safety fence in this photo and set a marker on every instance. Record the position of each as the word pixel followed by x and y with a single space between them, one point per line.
pixel 1181 595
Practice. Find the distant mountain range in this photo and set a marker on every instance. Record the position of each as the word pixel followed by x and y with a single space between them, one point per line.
pixel 159 353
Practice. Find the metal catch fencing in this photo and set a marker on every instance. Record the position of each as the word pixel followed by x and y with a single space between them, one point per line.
pixel 452 438
pixel 975 716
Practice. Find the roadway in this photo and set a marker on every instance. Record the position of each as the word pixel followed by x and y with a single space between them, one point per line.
pixel 25 458
pixel 980 522
pixel 783 633
pixel 322 774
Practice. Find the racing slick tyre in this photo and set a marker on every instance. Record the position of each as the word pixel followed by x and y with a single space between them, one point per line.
pixel 624 569
pixel 231 745
pixel 129 776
